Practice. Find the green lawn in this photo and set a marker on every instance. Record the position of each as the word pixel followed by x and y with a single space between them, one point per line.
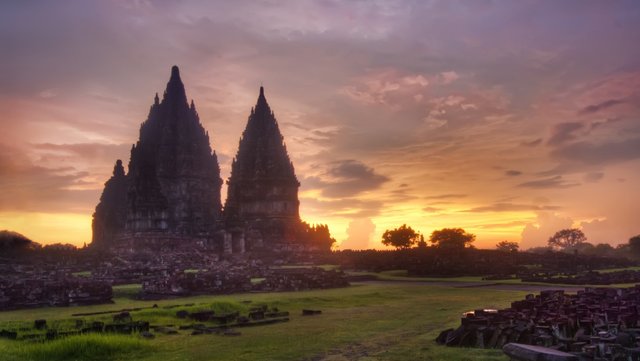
pixel 402 275
pixel 364 322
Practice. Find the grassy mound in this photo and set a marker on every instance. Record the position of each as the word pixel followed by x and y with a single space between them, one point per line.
pixel 85 347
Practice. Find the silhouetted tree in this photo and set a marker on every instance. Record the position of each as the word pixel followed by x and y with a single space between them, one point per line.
pixel 452 238
pixel 13 241
pixel 567 239
pixel 422 243
pixel 506 246
pixel 605 249
pixel 401 238
pixel 634 245
pixel 318 235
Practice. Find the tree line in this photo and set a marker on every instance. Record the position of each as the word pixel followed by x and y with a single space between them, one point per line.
pixel 565 240
pixel 405 237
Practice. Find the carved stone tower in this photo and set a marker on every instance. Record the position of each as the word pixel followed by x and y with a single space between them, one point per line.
pixel 172 189
pixel 262 207
pixel 175 177
pixel 111 213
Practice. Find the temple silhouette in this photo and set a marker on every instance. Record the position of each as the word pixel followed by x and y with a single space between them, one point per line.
pixel 171 194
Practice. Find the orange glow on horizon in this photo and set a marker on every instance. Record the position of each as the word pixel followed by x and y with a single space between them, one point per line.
pixel 48 228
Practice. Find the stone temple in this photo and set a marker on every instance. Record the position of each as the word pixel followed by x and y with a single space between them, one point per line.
pixel 262 200
pixel 170 195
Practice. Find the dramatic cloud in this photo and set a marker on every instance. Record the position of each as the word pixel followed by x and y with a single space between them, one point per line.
pixel 600 106
pixel 532 143
pixel 513 173
pixel 536 234
pixel 348 178
pixel 551 182
pixel 600 153
pixel 564 132
pixel 593 176
pixel 522 109
pixel 32 188
pixel 359 234
pixel 446 196
pixel 511 207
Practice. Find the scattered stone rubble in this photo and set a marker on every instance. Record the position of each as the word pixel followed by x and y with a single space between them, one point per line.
pixel 594 324
pixel 300 279
pixel 586 278
pixel 235 279
pixel 124 322
pixel 18 293
pixel 189 284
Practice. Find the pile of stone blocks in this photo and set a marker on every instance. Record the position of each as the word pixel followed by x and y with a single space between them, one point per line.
pixel 300 279
pixel 594 324
pixel 26 292
pixel 188 284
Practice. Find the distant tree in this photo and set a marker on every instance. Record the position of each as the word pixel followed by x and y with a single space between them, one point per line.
pixel 539 250
pixel 585 248
pixel 634 245
pixel 421 242
pixel 60 247
pixel 401 237
pixel 318 235
pixel 567 239
pixel 452 238
pixel 506 246
pixel 605 249
pixel 13 241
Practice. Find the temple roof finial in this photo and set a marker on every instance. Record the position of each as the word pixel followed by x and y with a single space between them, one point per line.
pixel 118 169
pixel 175 89
pixel 175 72
pixel 262 105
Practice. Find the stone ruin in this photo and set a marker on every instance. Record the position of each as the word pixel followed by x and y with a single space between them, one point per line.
pixel 20 292
pixel 226 280
pixel 200 283
pixel 262 206
pixel 301 279
pixel 584 278
pixel 171 192
pixel 195 320
pixel 594 324
pixel 173 183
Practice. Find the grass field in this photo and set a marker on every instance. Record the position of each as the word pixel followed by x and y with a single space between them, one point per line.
pixel 402 275
pixel 364 322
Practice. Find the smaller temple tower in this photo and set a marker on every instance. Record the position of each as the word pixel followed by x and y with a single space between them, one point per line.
pixel 111 213
pixel 262 206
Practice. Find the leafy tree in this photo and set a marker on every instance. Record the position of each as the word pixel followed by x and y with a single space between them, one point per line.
pixel 567 239
pixel 422 243
pixel 318 235
pixel 605 249
pixel 506 246
pixel 539 250
pixel 13 241
pixel 634 245
pixel 401 238
pixel 452 238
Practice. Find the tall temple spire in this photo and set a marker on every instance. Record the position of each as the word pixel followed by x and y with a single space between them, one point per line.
pixel 262 191
pixel 175 93
pixel 173 184
pixel 262 106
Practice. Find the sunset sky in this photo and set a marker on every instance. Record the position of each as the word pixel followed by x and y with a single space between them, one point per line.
pixel 510 119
